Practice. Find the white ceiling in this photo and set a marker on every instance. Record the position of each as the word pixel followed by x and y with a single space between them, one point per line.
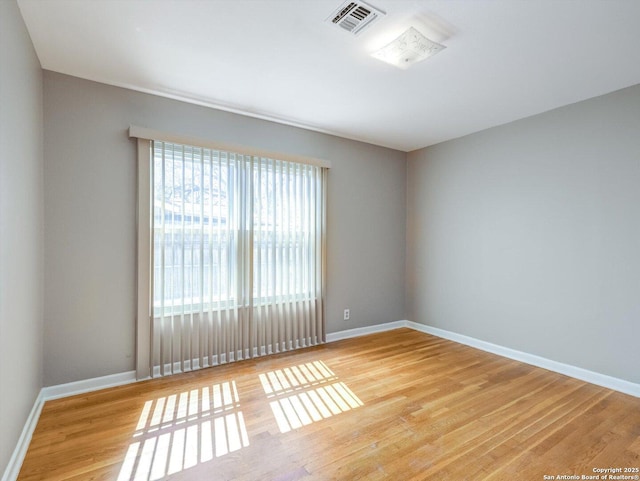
pixel 280 60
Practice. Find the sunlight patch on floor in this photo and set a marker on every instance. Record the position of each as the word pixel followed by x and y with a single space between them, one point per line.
pixel 179 431
pixel 303 394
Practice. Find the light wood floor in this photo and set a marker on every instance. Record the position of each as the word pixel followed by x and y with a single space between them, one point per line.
pixel 400 405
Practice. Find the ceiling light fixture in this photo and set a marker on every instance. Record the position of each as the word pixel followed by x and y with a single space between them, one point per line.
pixel 409 48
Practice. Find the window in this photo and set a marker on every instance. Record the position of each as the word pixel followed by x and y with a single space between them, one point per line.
pixel 195 231
pixel 234 267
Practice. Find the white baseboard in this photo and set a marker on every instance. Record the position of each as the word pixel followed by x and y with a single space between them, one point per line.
pixel 599 379
pixel 592 377
pixel 363 331
pixel 15 462
pixel 87 385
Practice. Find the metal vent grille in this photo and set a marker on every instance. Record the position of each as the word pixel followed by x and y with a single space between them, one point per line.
pixel 354 16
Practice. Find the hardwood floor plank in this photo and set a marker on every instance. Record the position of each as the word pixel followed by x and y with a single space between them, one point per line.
pixel 394 405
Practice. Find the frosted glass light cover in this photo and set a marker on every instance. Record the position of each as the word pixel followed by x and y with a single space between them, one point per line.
pixel 409 48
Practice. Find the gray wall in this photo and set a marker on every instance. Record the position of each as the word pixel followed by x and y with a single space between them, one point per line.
pixel 527 235
pixel 90 213
pixel 21 228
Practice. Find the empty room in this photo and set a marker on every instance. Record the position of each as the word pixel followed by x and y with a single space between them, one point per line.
pixel 319 240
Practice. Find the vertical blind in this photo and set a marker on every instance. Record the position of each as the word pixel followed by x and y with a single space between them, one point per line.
pixel 237 246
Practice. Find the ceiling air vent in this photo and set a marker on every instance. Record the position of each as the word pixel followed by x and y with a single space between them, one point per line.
pixel 354 16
